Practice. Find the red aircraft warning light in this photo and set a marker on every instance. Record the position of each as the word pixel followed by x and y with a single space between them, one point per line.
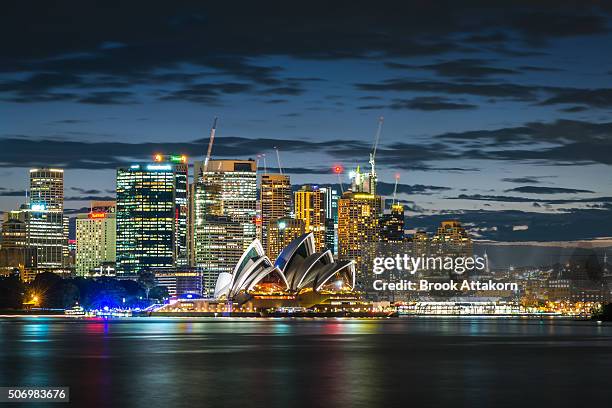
pixel 338 169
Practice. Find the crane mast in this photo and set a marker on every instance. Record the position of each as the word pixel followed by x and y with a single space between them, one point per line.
pixel 210 144
pixel 395 188
pixel 372 178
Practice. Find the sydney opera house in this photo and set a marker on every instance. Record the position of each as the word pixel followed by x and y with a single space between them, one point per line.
pixel 301 278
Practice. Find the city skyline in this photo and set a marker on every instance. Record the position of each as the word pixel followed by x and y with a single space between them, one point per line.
pixel 499 116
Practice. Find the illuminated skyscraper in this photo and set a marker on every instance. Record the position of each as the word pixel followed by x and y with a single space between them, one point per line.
pixel 47 189
pixel 275 201
pixel 330 197
pixel 236 185
pixel 281 232
pixel 392 225
pixel 96 238
pixel 45 224
pixel 309 207
pixel 226 189
pixel 181 210
pixel 358 227
pixel 218 247
pixel 150 201
pixel 15 254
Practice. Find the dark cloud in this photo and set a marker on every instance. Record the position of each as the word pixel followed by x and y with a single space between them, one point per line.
pixel 70 121
pixel 574 109
pixel 574 142
pixel 384 188
pixel 566 142
pixel 283 90
pixel 180 43
pixel 89 198
pixel 423 103
pixel 276 101
pixel 495 90
pixel 546 190
pixel 75 211
pixel 28 151
pixel 206 93
pixel 108 98
pixel 12 193
pixel 499 225
pixel 85 191
pixel 522 180
pixel 538 69
pixel 297 170
pixel 472 68
pixel 513 199
pixel 598 98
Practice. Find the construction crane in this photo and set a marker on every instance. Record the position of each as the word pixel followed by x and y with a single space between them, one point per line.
pixel 372 178
pixel 375 146
pixel 280 169
pixel 210 144
pixel 397 176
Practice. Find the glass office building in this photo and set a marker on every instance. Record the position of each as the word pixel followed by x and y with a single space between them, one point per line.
pixel 152 215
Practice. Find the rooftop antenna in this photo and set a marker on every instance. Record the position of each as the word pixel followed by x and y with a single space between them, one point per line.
pixel 397 176
pixel 210 144
pixel 338 170
pixel 280 169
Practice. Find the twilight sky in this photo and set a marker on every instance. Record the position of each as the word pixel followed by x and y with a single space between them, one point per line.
pixel 499 116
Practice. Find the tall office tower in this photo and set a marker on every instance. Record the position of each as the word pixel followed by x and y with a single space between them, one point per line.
pixel 218 248
pixel 96 238
pixel 149 216
pixel 358 227
pixel 392 225
pixel 181 205
pixel 47 189
pixel 225 188
pixel 452 240
pixel 330 197
pixel 15 255
pixel 281 232
pixel 309 207
pixel 45 223
pixel 275 201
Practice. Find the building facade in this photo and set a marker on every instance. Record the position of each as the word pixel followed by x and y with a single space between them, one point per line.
pixel 46 226
pixel 452 240
pixel 147 232
pixel 218 247
pixel 96 243
pixel 224 211
pixel 330 197
pixel 275 202
pixel 309 206
pixel 281 232
pixel 358 226
pixel 392 224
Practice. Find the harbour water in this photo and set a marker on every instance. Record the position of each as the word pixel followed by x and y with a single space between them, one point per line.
pixel 207 362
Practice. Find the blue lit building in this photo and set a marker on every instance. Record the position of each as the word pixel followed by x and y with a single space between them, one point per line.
pixel 152 215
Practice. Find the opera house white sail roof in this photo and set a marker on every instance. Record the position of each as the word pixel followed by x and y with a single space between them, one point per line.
pixel 297 269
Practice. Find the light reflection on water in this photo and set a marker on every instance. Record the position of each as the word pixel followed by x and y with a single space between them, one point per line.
pixel 148 362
